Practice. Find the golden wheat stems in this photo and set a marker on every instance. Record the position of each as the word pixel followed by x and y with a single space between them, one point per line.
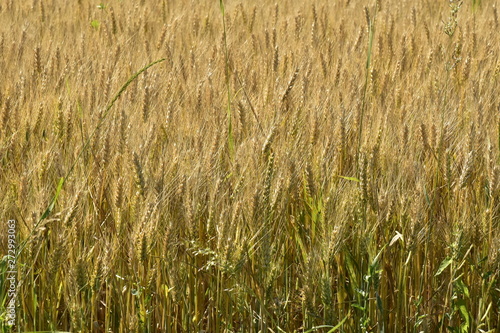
pixel 51 205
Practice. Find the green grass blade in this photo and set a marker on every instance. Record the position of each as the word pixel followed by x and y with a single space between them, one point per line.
pixel 444 264
pixel 354 179
pixel 52 204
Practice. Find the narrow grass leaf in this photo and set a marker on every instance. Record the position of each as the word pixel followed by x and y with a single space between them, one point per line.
pixel 354 179
pixel 444 264
pixel 52 204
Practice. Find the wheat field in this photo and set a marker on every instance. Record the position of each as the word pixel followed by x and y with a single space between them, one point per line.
pixel 246 166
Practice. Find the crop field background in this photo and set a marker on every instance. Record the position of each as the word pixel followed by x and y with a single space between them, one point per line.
pixel 290 166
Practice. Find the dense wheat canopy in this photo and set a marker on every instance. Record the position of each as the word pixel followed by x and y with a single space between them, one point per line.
pixel 316 166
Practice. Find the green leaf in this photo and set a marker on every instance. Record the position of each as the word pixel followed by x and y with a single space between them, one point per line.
pixel 462 287
pixel 315 328
pixel 380 306
pixel 95 24
pixel 230 138
pixel 352 270
pixel 350 178
pixel 54 199
pixel 462 307
pixel 357 306
pixel 333 328
pixel 420 320
pixel 445 263
pixel 377 257
pixel 340 323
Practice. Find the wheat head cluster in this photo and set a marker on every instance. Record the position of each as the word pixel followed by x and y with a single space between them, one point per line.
pixel 316 166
